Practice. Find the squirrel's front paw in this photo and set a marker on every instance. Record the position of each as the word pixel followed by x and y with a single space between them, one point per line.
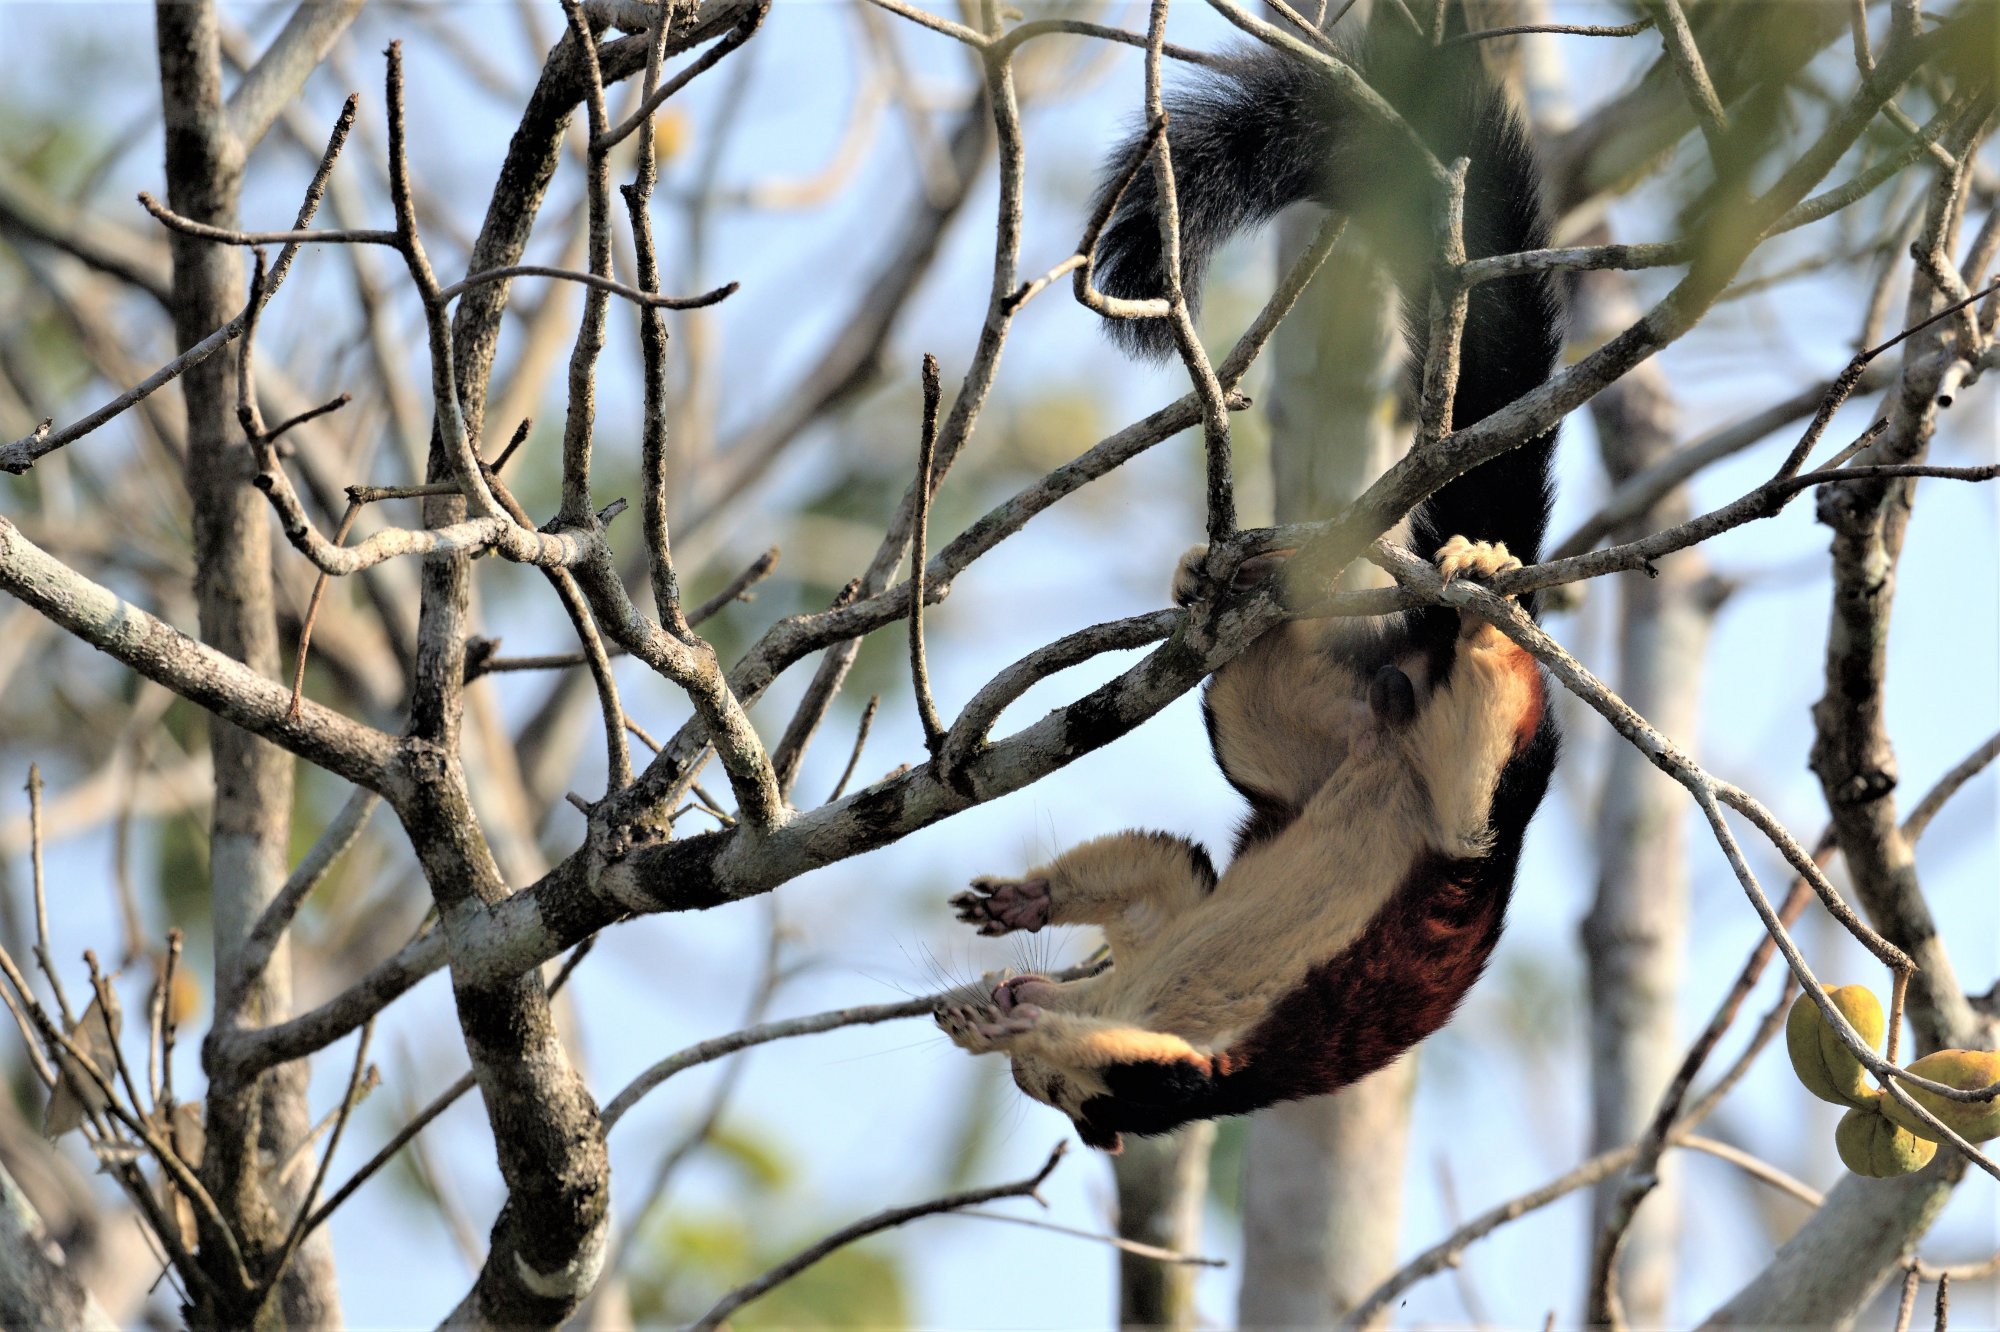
pixel 999 906
pixel 1188 576
pixel 1191 578
pixel 982 1027
pixel 1478 560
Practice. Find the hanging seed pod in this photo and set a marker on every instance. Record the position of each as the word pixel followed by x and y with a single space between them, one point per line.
pixel 1870 1145
pixel 1975 1121
pixel 1828 1068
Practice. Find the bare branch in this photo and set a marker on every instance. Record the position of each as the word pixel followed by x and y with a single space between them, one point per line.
pixel 860 740
pixel 198 673
pixel 1668 17
pixel 232 236
pixel 920 676
pixel 44 954
pixel 1208 388
pixel 301 1225
pixel 894 1216
pixel 20 455
pixel 1907 1304
pixel 1118 1242
pixel 1632 29
pixel 649 300
pixel 783 1029
pixel 737 588
pixel 657 93
pixel 1927 808
pixel 269 85
pixel 339 834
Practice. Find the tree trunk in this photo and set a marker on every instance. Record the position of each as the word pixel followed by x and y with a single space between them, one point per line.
pixel 1162 1183
pixel 1826 1275
pixel 1323 1178
pixel 37 1287
pixel 1322 1198
pixel 1635 937
pixel 250 1127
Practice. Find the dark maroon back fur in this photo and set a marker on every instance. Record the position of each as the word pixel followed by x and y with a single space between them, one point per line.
pixel 1397 983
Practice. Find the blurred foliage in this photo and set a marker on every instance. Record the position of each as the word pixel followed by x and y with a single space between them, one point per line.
pixel 691 1255
pixel 990 1095
pixel 1225 1163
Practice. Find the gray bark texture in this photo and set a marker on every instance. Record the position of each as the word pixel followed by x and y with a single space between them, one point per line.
pixel 1162 1184
pixel 37 1287
pixel 250 1124
pixel 1323 1178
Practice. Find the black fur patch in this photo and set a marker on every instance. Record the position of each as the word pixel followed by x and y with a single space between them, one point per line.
pixel 1391 696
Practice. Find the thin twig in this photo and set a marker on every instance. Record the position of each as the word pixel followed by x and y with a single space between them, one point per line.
pixel 1111 307
pixel 422 1120
pixel 860 739
pixel 167 1023
pixel 29 1041
pixel 1556 29
pixel 44 956
pixel 650 300
pixel 231 236
pixel 1208 388
pixel 107 1003
pixel 789 754
pixel 1682 53
pixel 737 589
pixel 1753 1167
pixel 711 806
pixel 1843 383
pixel 20 455
pixel 297 1234
pixel 156 1016
pixel 262 941
pixel 519 438
pixel 656 97
pixel 331 405
pixel 1899 995
pixel 320 581
pixel 618 757
pixel 1118 1242
pixel 894 1216
pixel 920 678
pixel 1449 303
pixel 1933 800
pixel 653 450
pixel 783 1029
pixel 1908 1303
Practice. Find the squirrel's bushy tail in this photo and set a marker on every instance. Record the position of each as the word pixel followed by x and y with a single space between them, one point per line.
pixel 1268 129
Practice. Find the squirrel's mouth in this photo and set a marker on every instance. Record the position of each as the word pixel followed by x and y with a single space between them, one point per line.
pixel 1017 990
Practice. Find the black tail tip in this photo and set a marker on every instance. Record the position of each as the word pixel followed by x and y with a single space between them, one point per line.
pixel 1150 339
